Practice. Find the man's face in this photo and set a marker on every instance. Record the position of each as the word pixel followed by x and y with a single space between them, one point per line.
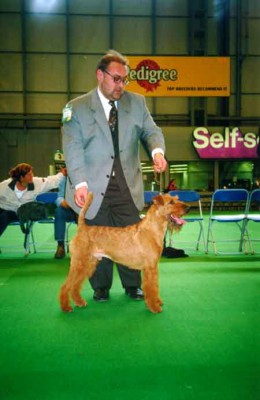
pixel 106 80
pixel 26 179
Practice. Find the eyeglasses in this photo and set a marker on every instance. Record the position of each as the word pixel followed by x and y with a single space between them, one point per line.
pixel 118 78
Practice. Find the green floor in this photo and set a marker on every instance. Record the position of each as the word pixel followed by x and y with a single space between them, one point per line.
pixel 205 344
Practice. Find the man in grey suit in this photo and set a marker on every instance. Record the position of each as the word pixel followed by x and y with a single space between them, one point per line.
pixel 102 131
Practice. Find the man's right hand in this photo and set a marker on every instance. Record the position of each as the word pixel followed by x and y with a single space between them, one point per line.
pixel 80 196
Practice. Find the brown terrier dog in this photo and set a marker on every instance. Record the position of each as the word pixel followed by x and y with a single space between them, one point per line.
pixel 137 246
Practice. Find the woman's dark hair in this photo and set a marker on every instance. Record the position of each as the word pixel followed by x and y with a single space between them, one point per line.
pixel 20 170
pixel 111 56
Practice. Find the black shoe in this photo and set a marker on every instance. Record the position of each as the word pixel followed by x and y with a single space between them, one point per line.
pixel 170 252
pixel 60 253
pixel 101 295
pixel 134 293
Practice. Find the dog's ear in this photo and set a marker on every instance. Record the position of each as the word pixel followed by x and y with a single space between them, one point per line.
pixel 158 200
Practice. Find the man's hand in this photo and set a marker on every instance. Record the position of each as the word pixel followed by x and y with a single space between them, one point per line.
pixel 159 162
pixel 64 171
pixel 80 196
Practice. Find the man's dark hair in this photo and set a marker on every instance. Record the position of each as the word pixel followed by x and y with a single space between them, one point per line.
pixel 111 56
pixel 20 170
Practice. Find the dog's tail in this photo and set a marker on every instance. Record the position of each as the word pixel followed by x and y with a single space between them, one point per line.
pixel 81 219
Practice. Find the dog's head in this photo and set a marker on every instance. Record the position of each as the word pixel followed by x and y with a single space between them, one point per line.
pixel 172 209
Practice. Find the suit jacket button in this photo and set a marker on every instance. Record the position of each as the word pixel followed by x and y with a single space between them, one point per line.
pixel 102 194
pixel 112 157
pixel 107 176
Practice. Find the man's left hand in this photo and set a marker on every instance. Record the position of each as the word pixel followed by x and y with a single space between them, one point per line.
pixel 159 163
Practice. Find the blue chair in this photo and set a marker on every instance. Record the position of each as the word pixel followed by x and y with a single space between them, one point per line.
pixel 14 246
pixel 49 198
pixel 252 215
pixel 149 195
pixel 225 204
pixel 192 198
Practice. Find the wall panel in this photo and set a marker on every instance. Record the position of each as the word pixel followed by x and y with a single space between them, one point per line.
pixel 46 33
pixel 45 103
pixel 252 46
pixel 100 7
pixel 11 72
pixel 138 7
pixel 170 36
pixel 46 72
pixel 10 32
pixel 47 6
pixel 133 35
pixel 171 105
pixel 83 72
pixel 176 7
pixel 89 34
pixel 250 75
pixel 11 103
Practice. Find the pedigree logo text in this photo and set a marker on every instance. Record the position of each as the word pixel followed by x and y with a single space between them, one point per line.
pixel 179 76
pixel 148 75
pixel 229 144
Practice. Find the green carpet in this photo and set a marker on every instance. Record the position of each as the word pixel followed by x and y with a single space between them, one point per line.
pixel 204 346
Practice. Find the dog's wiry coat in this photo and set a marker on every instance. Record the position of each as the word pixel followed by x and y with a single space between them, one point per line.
pixel 137 246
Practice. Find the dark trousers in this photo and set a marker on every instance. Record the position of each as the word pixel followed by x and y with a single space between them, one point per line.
pixel 6 217
pixel 62 215
pixel 117 209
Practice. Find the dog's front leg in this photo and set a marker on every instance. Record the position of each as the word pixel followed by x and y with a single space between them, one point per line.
pixel 151 289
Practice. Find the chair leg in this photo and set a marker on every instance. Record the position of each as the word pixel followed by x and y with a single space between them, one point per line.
pixel 201 235
pixel 248 239
pixel 27 235
pixel 212 239
pixel 32 239
pixel 208 236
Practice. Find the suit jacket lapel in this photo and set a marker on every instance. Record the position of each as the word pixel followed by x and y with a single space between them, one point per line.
pixel 100 117
pixel 99 114
pixel 123 117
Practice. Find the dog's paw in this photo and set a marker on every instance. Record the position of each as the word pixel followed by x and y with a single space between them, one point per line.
pixel 81 303
pixel 160 302
pixel 155 308
pixel 67 309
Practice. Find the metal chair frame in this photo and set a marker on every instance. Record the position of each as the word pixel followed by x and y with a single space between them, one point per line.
pixel 226 198
pixel 26 236
pixel 192 198
pixel 252 216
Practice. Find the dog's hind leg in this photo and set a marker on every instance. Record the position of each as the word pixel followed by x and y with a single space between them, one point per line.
pixel 86 271
pixel 65 298
pixel 71 287
pixel 151 289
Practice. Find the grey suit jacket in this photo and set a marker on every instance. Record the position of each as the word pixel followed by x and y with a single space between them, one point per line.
pixel 88 146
